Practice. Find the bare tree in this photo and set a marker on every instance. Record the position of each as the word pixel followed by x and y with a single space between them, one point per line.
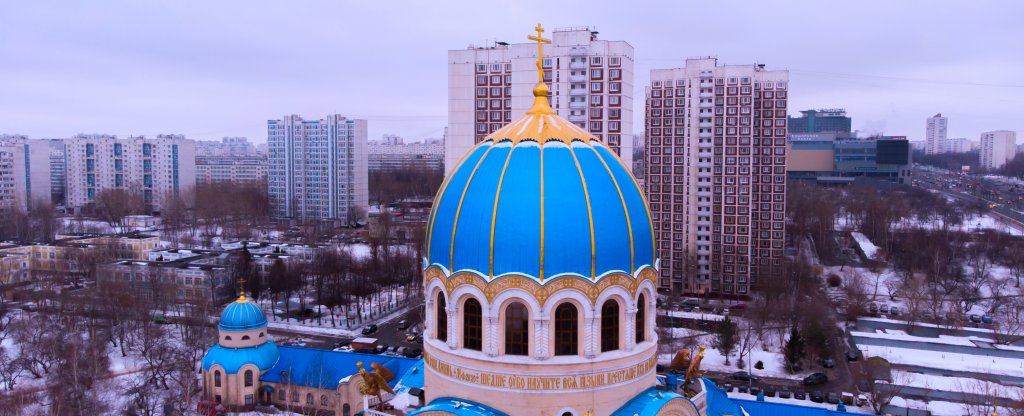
pixel 116 204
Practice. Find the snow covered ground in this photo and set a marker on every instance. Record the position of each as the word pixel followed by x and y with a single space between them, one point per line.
pixel 806 403
pixel 946 360
pixel 715 361
pixel 957 384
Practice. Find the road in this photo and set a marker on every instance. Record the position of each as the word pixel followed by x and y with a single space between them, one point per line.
pixel 1006 199
pixel 387 332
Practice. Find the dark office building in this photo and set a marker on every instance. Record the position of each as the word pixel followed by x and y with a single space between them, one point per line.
pixel 818 121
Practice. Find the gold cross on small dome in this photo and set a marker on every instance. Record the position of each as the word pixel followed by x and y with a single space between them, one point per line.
pixel 540 51
pixel 241 289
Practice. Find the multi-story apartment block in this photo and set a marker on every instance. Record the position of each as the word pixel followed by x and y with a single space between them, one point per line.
pixel 935 134
pixel 958 145
pixel 590 80
pixel 157 168
pixel 997 148
pixel 231 169
pixel 392 153
pixel 716 174
pixel 58 171
pixel 193 278
pixel 227 146
pixel 822 120
pixel 317 168
pixel 24 172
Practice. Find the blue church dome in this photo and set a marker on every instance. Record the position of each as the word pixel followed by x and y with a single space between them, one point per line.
pixel 242 315
pixel 542 198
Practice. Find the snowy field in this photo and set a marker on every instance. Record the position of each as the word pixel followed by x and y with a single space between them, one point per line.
pixel 946 360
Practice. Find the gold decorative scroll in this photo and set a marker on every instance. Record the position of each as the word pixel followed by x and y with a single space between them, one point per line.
pixel 539 291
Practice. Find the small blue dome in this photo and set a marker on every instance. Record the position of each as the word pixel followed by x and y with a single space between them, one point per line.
pixel 242 315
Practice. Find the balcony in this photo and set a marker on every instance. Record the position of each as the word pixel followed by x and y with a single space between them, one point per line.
pixel 577 104
pixel 704 223
pixel 704 165
pixel 704 144
pixel 704 153
pixel 704 174
pixel 706 105
pixel 577 78
pixel 707 95
pixel 703 252
pixel 704 193
pixel 705 125
pixel 578 91
pixel 577 51
pixel 704 135
pixel 578 65
pixel 707 83
pixel 578 118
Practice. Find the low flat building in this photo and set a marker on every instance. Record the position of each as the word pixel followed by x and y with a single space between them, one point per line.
pixel 825 157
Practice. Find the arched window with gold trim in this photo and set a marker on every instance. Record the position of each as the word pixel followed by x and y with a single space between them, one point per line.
pixel 610 325
pixel 641 319
pixel 441 318
pixel 566 329
pixel 517 339
pixel 472 325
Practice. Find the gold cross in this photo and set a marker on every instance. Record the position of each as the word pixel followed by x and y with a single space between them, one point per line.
pixel 241 287
pixel 540 51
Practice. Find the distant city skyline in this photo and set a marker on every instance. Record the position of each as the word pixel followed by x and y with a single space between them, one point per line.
pixel 149 68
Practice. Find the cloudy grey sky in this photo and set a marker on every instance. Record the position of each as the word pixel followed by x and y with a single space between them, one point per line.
pixel 209 69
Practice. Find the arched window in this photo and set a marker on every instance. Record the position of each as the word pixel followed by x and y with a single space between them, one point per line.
pixel 566 330
pixel 323 401
pixel 610 325
pixel 245 337
pixel 472 319
pixel 346 410
pixel 517 340
pixel 309 399
pixel 641 319
pixel 216 379
pixel 295 397
pixel 441 320
pixel 261 335
pixel 248 378
pixel 280 395
pixel 227 337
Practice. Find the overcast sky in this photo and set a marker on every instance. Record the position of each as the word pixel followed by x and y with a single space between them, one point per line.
pixel 209 69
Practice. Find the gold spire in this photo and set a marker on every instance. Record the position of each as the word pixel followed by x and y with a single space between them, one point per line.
pixel 540 91
pixel 241 289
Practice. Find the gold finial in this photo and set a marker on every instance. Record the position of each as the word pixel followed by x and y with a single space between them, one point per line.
pixel 241 289
pixel 540 51
pixel 540 91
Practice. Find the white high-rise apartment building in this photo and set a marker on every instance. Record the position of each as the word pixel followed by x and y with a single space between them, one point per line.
pixel 317 168
pixel 24 172
pixel 591 84
pixel 156 168
pixel 958 145
pixel 997 148
pixel 935 135
pixel 716 174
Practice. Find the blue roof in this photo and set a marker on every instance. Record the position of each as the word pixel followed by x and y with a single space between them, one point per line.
pixel 263 356
pixel 487 217
pixel 457 407
pixel 412 377
pixel 756 408
pixel 718 402
pixel 326 369
pixel 649 402
pixel 242 315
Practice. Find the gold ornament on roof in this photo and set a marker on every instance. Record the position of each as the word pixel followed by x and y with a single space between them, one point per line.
pixel 241 290
pixel 375 383
pixel 540 51
pixel 693 372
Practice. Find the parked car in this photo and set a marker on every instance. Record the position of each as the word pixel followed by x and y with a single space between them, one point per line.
pixel 862 400
pixel 743 388
pixel 382 348
pixel 769 391
pixel 785 394
pixel 211 408
pixel 744 376
pixel 872 308
pixel 413 352
pixel 828 363
pixel 370 329
pixel 817 397
pixel 340 344
pixel 404 324
pixel 755 390
pixel 419 338
pixel 727 387
pixel 975 318
pixel 815 379
pixel 986 318
pixel 847 398
pixel 894 310
pixel 833 397
pixel 852 355
pixel 799 395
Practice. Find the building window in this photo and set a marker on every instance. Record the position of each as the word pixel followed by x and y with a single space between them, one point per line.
pixel 566 330
pixel 216 379
pixel 641 318
pixel 309 399
pixel 323 401
pixel 248 400
pixel 471 325
pixel 295 397
pixel 516 329
pixel 441 319
pixel 610 326
pixel 280 395
pixel 248 378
